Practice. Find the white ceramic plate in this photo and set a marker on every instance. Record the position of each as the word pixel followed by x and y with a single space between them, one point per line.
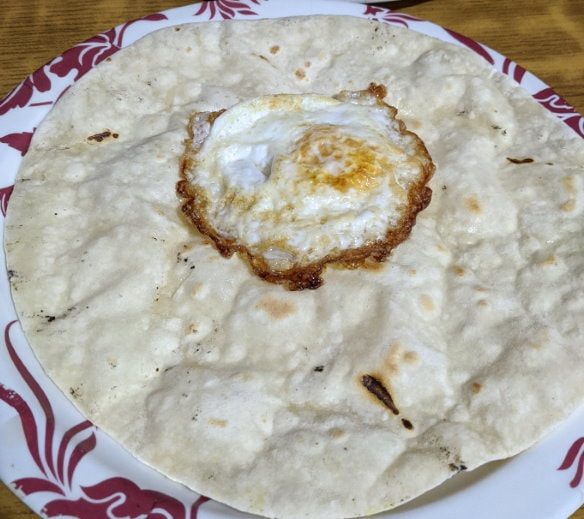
pixel 61 465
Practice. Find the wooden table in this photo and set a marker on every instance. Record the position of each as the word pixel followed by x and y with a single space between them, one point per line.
pixel 544 36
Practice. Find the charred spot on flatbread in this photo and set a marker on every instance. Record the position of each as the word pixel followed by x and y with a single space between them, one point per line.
pixel 407 424
pixel 376 387
pixel 102 136
pixel 521 160
pixel 321 145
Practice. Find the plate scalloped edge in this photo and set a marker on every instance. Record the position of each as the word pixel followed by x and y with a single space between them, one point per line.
pixel 60 464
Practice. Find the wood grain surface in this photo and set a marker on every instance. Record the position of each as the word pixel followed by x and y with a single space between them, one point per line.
pixel 544 36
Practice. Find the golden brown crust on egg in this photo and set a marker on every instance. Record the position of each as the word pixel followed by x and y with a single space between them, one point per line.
pixel 305 276
pixel 379 91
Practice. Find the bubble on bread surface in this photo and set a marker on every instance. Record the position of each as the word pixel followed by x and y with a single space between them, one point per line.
pixel 293 182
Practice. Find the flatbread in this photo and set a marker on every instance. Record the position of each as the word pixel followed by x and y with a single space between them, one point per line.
pixel 273 401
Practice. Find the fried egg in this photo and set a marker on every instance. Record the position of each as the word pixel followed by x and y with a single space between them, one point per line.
pixel 292 182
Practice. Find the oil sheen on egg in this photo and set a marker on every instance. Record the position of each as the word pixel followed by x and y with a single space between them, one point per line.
pixel 296 180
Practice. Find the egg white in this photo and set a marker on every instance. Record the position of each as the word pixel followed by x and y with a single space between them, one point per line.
pixel 297 178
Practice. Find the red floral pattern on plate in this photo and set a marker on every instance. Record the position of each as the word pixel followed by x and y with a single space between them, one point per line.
pixel 20 96
pixel 226 9
pixel 80 58
pixel 575 456
pixel 120 498
pixel 388 16
pixel 513 70
pixel 112 498
pixel 561 109
pixel 86 55
pixel 473 45
pixel 5 193
pixel 18 141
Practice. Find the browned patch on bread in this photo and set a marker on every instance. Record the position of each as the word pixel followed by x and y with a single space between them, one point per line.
pixel 393 360
pixel 411 357
pixel 550 260
pixel 427 303
pixel 274 49
pixel 306 276
pixel 336 433
pixel 276 308
pixel 218 422
pixel 570 185
pixel 535 345
pixel 300 74
pixel 192 328
pixel 187 247
pixel 473 204
pixel 459 271
pixel 569 206
pixel 416 125
pixel 539 341
pixel 476 388
pixel 396 357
